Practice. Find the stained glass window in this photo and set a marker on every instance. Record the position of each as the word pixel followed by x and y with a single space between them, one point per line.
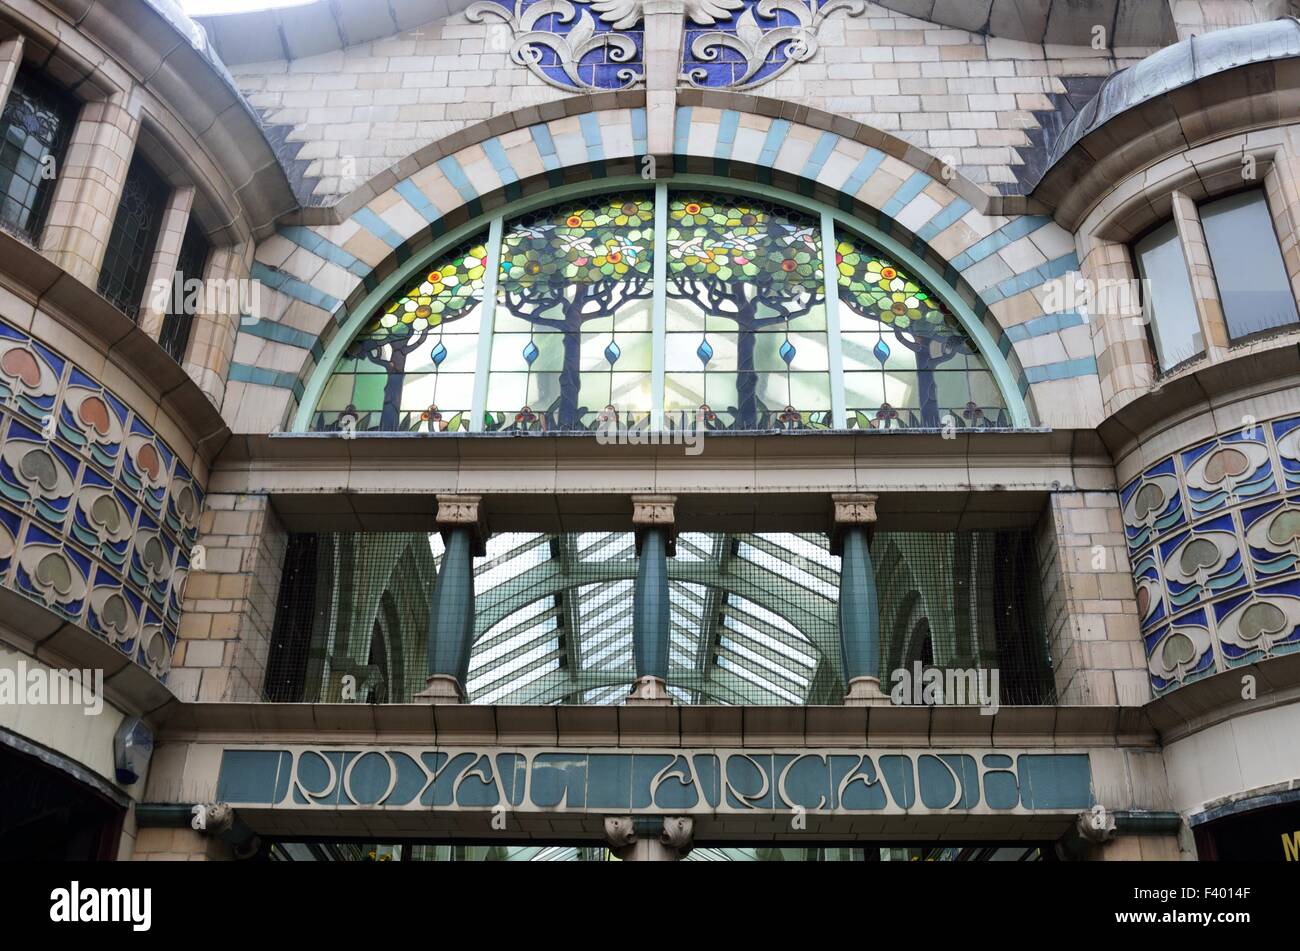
pixel 34 132
pixel 907 360
pixel 134 237
pixel 746 330
pixel 411 369
pixel 174 337
pixel 571 344
pixel 739 328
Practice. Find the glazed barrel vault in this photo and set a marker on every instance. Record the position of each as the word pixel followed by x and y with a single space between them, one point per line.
pixel 646 420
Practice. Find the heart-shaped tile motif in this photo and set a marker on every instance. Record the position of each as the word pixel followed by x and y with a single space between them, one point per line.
pixel 1178 651
pixel 1225 464
pixel 39 466
pixel 20 364
pixel 1260 619
pixel 1197 554
pixel 1150 498
pixel 54 572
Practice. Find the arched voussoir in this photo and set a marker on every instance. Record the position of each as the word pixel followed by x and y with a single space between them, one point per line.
pixel 321 278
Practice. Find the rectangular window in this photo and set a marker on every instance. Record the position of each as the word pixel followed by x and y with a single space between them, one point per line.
pixel 1253 284
pixel 1167 296
pixel 134 237
pixel 34 131
pixel 187 292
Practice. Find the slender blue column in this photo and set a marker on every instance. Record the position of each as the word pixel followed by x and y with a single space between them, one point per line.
pixel 451 607
pixel 859 615
pixel 650 617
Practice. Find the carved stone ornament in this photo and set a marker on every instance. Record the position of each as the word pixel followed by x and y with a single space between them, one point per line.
pixel 650 511
pixel 556 40
pixel 766 40
pixel 599 44
pixel 619 831
pixel 679 833
pixel 1096 825
pixel 855 508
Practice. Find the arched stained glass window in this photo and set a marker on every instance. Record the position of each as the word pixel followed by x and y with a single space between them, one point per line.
pixel 571 339
pixel 746 324
pixel 907 360
pixel 678 307
pixel 411 369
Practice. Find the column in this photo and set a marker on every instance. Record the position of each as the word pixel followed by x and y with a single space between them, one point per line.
pixel 11 57
pixel 451 606
pixel 212 341
pixel 89 187
pixel 653 520
pixel 859 615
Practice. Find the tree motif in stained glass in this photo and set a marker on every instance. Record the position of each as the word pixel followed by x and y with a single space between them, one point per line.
pixel 411 368
pixel 746 277
pixel 907 360
pixel 572 326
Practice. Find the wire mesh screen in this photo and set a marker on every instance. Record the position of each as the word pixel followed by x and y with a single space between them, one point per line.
pixel 754 617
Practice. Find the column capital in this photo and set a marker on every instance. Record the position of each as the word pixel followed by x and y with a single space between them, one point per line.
pixel 850 510
pixel 464 511
pixel 655 511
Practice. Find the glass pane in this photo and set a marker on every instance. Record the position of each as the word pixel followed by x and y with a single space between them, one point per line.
pixel 34 132
pixel 411 369
pixel 573 317
pixel 1171 309
pixel 187 297
pixel 746 294
pixel 134 238
pixel 1248 264
pixel 907 358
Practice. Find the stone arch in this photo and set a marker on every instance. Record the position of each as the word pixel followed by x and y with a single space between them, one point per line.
pixel 336 262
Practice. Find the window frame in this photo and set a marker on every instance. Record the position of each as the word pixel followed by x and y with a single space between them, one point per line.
pixel 831 217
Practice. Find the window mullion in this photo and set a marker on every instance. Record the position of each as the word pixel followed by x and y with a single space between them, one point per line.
pixel 487 316
pixel 659 311
pixel 834 347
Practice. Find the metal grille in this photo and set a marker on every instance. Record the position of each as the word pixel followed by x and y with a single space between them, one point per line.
pixel 413 852
pixel 133 239
pixel 34 132
pixel 753 616
pixel 179 322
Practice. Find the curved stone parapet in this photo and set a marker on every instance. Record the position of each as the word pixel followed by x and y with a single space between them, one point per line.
pixel 98 514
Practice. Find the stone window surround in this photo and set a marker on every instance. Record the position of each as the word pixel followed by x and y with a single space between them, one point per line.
pixel 1174 189
pixel 156 132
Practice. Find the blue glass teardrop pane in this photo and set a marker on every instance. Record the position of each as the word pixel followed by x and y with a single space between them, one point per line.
pixel 530 352
pixel 787 352
pixel 612 353
pixel 439 354
pixel 704 352
pixel 881 351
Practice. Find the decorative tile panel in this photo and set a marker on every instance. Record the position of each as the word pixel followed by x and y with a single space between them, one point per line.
pixel 1213 534
pixel 98 518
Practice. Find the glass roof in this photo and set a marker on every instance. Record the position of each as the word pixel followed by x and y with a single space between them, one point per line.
pixel 555 618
